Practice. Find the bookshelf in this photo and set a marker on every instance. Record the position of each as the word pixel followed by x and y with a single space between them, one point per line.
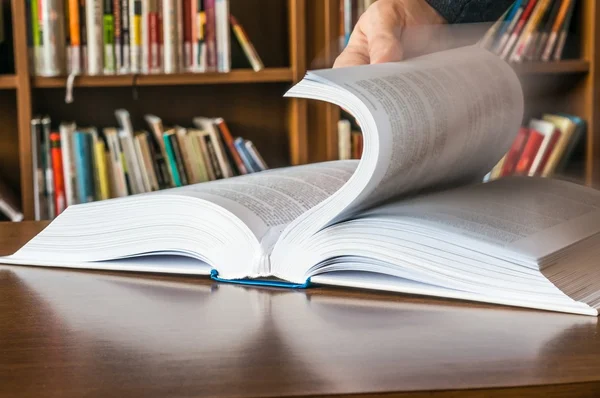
pixel 251 102
pixel 571 85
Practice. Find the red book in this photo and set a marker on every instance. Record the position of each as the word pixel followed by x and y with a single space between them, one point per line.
pixel 514 153
pixel 211 35
pixel 525 17
pixel 531 148
pixel 228 140
pixel 154 42
pixel 58 175
pixel 549 149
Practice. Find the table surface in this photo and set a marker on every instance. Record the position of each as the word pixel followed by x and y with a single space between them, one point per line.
pixel 80 333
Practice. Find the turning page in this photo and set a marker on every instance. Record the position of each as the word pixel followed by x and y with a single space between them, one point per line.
pixel 429 123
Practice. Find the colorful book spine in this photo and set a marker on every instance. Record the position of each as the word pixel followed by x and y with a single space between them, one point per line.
pixel 255 155
pixel 75 37
pixel 243 152
pixel 171 159
pixel 47 165
pixel 529 152
pixel 200 57
pixel 135 36
pixel 246 44
pixel 564 32
pixel 514 153
pixel 223 36
pixel 83 156
pixel 187 34
pixel 116 7
pixel 210 35
pixel 518 29
pixel 179 162
pixel 125 36
pixel 70 176
pixel 101 168
pixel 94 24
pixel 228 140
pixel 560 18
pixel 57 167
pixel 154 40
pixel 53 49
pixel 108 21
pixel 36 34
pixel 170 53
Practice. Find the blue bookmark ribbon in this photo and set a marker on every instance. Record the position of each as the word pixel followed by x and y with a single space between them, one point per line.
pixel 214 275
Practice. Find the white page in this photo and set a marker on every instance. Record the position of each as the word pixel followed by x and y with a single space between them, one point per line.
pixel 438 120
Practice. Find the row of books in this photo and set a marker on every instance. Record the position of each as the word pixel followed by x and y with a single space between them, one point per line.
pixel 545 147
pixel 350 140
pixel 350 12
pixel 96 37
pixel 532 30
pixel 74 164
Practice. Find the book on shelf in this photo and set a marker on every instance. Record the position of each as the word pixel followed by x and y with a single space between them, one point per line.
pixel 532 30
pixel 350 12
pixel 412 215
pixel 108 37
pixel 350 140
pixel 546 147
pixel 9 205
pixel 81 164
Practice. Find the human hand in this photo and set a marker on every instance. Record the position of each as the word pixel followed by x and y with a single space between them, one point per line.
pixel 381 32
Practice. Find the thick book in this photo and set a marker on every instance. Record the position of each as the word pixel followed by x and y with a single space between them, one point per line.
pixel 410 216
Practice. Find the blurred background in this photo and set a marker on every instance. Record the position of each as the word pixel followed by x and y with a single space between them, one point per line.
pixel 134 96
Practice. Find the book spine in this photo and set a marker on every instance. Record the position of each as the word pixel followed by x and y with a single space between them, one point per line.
pixel 139 154
pixel 529 152
pixel 169 16
pixel 68 167
pixel 171 158
pixel 102 170
pixel 255 155
pixel 562 38
pixel 527 35
pixel 177 152
pixel 200 48
pixel 198 157
pixel 53 48
pixel 149 164
pixel 116 8
pixel 154 39
pixel 357 143
pixel 247 47
pixel 548 151
pixel 228 140
pixel 562 13
pixel 186 155
pixel 212 155
pixel 57 167
pixel 83 156
pixel 514 153
pixel 135 35
pixel 125 36
pixel 145 60
pixel 75 35
pixel 109 38
pixel 36 166
pixel 48 171
pixel 119 184
pixel 179 35
pixel 94 16
pixel 344 140
pixel 187 34
pixel 28 24
pixel 223 36
pixel 210 34
pixel 241 148
pixel 205 155
pixel 36 37
pixel 518 29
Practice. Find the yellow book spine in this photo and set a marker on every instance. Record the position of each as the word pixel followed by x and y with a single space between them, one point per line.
pixel 102 169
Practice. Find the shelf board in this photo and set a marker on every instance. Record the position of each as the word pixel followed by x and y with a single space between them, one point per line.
pixel 558 67
pixel 8 81
pixel 236 76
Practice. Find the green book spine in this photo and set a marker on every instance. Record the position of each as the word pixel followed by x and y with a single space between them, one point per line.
pixel 109 38
pixel 172 161
pixel 36 34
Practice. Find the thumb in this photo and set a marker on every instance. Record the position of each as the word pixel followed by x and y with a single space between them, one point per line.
pixel 385 44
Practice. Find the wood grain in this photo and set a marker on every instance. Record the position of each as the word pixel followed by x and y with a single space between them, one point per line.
pixel 182 79
pixel 74 333
pixel 8 82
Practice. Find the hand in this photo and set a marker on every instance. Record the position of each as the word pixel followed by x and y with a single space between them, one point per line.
pixel 381 32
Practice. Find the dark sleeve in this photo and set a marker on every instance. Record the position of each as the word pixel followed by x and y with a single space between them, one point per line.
pixel 467 11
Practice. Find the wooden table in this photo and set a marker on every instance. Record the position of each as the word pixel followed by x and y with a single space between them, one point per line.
pixel 73 334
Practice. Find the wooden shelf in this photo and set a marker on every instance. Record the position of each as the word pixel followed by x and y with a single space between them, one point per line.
pixel 559 67
pixel 8 82
pixel 236 76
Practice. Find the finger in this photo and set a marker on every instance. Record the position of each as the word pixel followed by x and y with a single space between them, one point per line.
pixel 356 52
pixel 385 44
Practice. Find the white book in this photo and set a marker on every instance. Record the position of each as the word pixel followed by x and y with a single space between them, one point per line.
pixel 66 131
pixel 132 161
pixel 118 186
pixel 223 35
pixel 407 217
pixel 53 48
pixel 547 129
pixel 94 26
pixel 145 32
pixel 170 36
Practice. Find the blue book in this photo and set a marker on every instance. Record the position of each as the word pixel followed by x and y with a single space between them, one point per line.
pixel 240 146
pixel 82 141
pixel 172 161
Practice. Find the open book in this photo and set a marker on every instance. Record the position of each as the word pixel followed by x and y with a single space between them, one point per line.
pixel 411 216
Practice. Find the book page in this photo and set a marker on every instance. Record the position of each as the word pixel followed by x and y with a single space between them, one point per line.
pixel 433 122
pixel 531 217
